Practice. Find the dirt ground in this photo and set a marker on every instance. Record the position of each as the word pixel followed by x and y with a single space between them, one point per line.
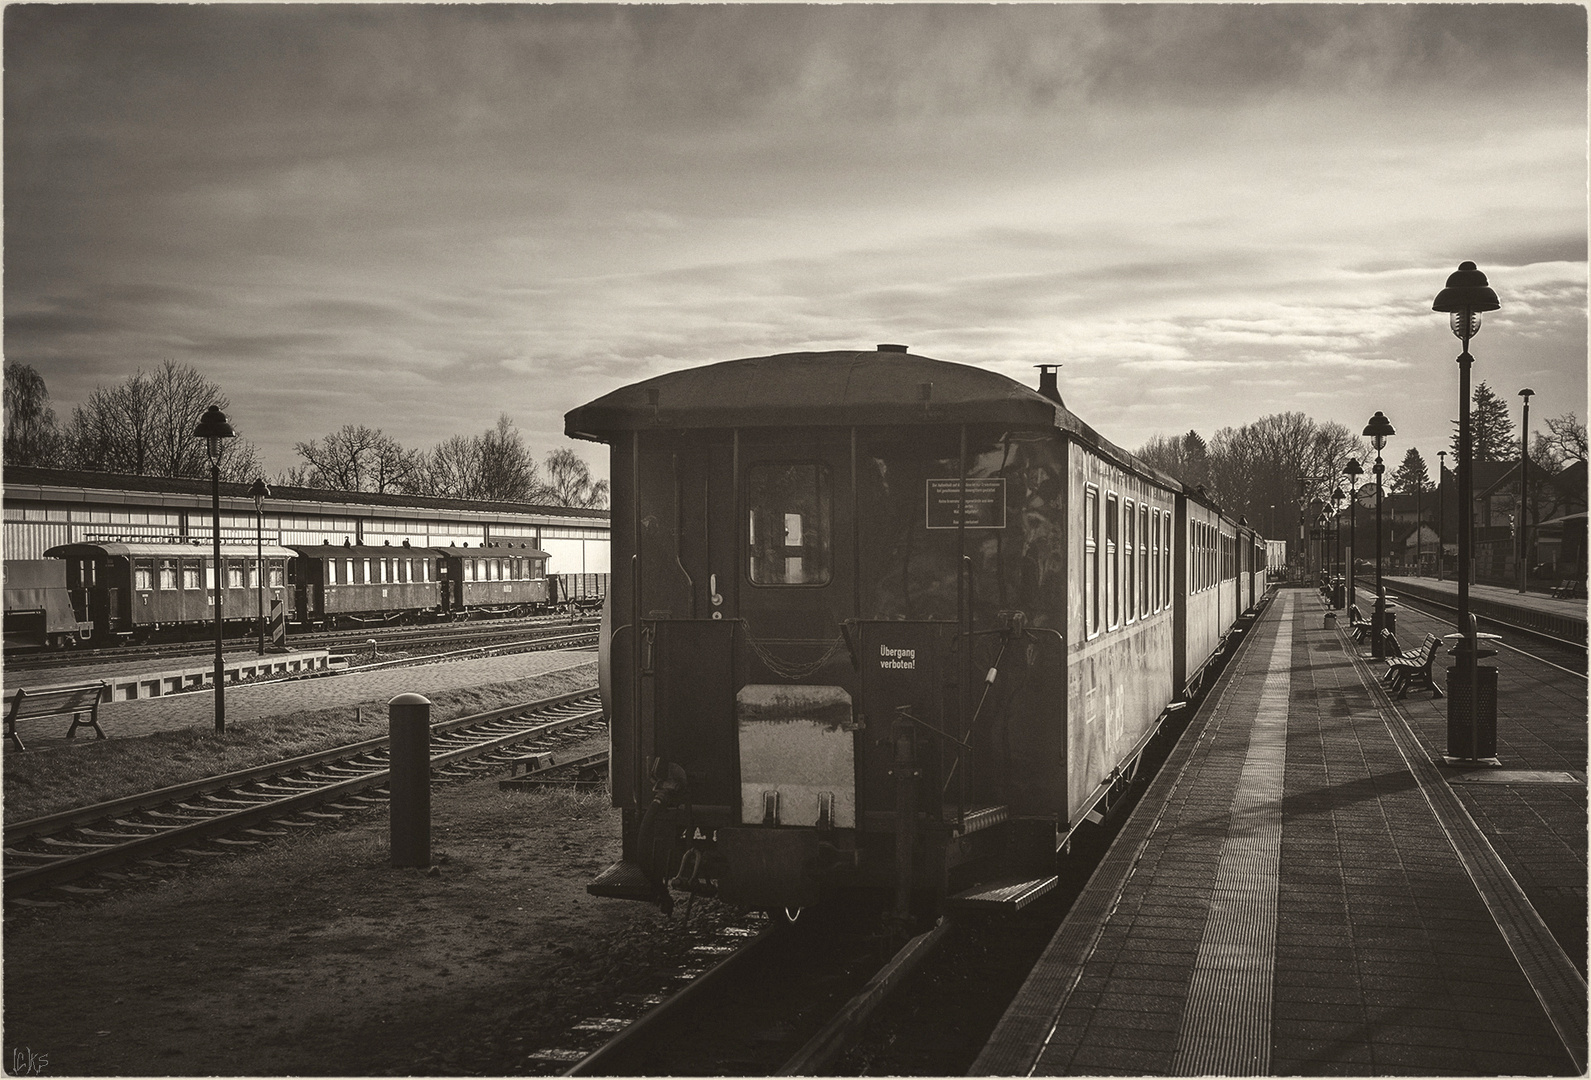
pixel 312 956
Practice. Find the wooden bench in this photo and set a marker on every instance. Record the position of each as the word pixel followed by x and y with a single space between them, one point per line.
pixel 71 701
pixel 1407 670
pixel 1567 590
pixel 1357 625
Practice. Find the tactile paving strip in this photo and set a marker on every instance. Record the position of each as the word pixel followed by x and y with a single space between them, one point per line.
pixel 1227 1026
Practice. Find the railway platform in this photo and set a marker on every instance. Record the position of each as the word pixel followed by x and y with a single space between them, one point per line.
pixel 1307 889
pixel 256 701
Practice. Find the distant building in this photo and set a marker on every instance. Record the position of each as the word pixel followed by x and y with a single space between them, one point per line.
pixel 47 507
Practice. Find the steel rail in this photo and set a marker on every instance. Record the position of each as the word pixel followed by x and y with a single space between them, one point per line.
pixel 600 1060
pixel 241 808
pixel 1415 601
pixel 67 819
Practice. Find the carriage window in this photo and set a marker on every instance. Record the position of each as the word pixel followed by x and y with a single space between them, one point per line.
pixel 1154 562
pixel 254 573
pixel 190 575
pixel 1091 560
pixel 1143 559
pixel 142 576
pixel 787 531
pixel 1167 560
pixel 275 569
pixel 1130 557
pixel 234 574
pixel 168 573
pixel 1113 560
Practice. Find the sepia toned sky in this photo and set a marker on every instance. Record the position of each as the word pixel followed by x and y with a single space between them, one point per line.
pixel 419 217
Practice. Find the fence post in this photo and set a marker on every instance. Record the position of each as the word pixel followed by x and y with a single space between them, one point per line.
pixel 409 727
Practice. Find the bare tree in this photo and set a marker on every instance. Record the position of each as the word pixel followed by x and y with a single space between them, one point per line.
pixel 357 458
pixel 144 426
pixel 31 435
pixel 494 466
pixel 1563 442
pixel 569 478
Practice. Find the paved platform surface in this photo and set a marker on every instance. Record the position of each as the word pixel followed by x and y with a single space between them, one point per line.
pixel 255 701
pixel 1306 890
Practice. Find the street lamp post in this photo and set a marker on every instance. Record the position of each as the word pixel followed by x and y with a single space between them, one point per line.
pixel 1524 493
pixel 1377 431
pixel 213 428
pixel 1441 512
pixel 1466 296
pixel 1353 471
pixel 1419 533
pixel 260 492
pixel 1339 597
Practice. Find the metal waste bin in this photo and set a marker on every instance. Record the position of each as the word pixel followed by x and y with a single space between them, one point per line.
pixel 1467 739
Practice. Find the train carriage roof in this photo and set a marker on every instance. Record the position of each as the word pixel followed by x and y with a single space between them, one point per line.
pixel 169 550
pixel 496 551
pixel 363 551
pixel 841 389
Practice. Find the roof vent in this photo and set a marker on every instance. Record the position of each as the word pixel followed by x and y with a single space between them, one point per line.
pixel 894 348
pixel 1047 384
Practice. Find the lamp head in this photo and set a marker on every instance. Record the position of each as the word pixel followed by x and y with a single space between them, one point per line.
pixel 1466 296
pixel 1378 429
pixel 1527 394
pixel 213 427
pixel 1353 470
pixel 259 493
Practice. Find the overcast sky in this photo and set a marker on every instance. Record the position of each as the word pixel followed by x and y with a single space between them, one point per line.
pixel 417 218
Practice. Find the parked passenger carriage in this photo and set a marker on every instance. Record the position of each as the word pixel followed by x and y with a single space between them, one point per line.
pixel 880 620
pixel 139 589
pixel 497 579
pixel 363 585
pixel 135 590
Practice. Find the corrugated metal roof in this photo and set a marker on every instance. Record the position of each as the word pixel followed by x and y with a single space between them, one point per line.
pixel 21 475
pixel 173 551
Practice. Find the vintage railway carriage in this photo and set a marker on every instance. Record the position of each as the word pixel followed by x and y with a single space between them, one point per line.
pixel 38 606
pixel 494 579
pixel 876 618
pixel 138 588
pixel 361 585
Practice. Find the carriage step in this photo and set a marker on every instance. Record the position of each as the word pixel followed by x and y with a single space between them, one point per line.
pixel 1003 894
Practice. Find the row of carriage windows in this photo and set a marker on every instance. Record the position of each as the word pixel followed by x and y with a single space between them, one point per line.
pixel 377 571
pixel 182 574
pixel 170 575
pixel 1126 560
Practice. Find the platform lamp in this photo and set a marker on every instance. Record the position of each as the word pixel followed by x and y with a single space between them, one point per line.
pixel 1469 735
pixel 259 493
pixel 1353 471
pixel 1441 511
pixel 1524 493
pixel 1336 534
pixel 213 428
pixel 1378 430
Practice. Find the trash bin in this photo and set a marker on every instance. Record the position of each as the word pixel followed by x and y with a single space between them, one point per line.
pixel 1464 739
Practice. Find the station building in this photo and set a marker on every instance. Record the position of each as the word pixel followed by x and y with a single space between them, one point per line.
pixel 47 507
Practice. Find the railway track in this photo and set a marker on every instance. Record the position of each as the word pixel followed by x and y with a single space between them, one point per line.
pixel 138 837
pixel 1565 655
pixel 784 1002
pixel 342 640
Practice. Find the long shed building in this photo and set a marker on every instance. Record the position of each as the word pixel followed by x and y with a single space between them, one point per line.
pixel 49 507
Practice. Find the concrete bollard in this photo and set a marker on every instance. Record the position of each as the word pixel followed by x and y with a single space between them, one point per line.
pixel 409 727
